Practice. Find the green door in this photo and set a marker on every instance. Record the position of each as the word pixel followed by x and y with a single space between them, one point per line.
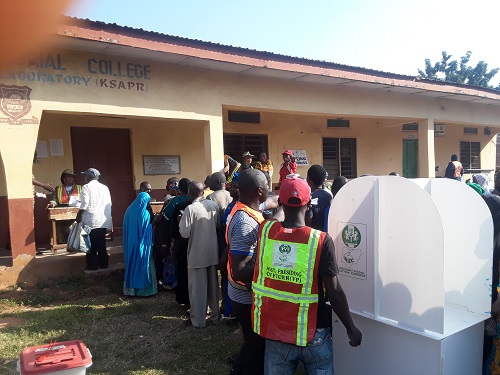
pixel 410 158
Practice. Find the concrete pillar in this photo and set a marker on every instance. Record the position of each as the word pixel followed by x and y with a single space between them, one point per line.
pixel 426 154
pixel 214 145
pixel 4 207
pixel 18 135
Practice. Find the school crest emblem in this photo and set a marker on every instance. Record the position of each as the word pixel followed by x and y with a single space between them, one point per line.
pixel 15 104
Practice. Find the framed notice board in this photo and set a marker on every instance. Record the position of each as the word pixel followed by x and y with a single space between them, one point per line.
pixel 161 164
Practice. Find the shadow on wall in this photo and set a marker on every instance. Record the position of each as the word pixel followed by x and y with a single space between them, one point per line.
pixel 4 208
pixel 42 223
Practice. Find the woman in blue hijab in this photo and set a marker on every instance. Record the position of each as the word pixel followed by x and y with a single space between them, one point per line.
pixel 140 276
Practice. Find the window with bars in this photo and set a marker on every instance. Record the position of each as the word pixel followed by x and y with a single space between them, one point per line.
pixel 339 157
pixel 236 144
pixel 470 155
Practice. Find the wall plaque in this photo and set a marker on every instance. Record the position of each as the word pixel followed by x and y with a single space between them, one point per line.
pixel 161 164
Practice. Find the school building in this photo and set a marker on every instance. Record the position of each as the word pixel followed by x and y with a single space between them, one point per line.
pixel 138 105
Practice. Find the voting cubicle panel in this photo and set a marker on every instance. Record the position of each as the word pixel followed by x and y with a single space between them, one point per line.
pixel 396 244
pixel 469 229
pixel 425 294
pixel 352 227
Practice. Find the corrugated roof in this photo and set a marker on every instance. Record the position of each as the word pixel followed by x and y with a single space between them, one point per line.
pixel 252 53
pixel 217 47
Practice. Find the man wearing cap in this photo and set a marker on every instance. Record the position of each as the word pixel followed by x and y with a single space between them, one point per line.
pixel 295 264
pixel 232 168
pixel 65 195
pixel 289 165
pixel 247 160
pixel 95 211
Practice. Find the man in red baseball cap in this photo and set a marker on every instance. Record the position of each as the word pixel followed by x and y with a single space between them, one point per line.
pixel 289 166
pixel 295 264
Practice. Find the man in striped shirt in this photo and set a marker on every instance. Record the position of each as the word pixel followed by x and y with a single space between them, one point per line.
pixel 242 233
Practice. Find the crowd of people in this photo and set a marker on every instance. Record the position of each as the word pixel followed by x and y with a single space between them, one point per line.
pixel 230 228
pixel 270 250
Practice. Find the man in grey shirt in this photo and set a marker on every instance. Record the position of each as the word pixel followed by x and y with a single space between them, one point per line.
pixel 217 183
pixel 199 223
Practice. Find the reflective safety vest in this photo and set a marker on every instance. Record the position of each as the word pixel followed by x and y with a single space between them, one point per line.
pixel 257 216
pixel 458 169
pixel 285 283
pixel 62 194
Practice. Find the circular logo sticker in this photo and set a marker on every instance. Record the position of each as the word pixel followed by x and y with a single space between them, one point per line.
pixel 285 249
pixel 351 236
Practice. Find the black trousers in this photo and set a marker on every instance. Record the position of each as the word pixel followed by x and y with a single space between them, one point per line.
pixel 161 237
pixel 250 361
pixel 98 256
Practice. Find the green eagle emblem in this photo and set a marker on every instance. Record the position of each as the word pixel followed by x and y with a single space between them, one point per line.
pixel 285 249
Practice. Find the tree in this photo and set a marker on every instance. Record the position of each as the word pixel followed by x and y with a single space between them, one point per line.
pixel 459 71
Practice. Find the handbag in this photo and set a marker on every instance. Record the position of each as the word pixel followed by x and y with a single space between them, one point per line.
pixel 78 239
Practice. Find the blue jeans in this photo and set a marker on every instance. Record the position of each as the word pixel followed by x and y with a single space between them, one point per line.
pixel 317 357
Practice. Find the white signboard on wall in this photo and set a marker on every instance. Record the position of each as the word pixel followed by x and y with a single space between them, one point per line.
pixel 161 164
pixel 439 130
pixel 301 158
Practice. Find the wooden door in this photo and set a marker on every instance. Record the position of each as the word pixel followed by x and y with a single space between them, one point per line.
pixel 109 151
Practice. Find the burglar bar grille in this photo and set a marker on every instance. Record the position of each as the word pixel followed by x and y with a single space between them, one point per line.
pixel 339 157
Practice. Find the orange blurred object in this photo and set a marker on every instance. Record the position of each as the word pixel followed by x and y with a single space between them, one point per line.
pixel 24 26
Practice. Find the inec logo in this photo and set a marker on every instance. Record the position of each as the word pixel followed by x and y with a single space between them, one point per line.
pixel 351 236
pixel 285 249
pixel 284 254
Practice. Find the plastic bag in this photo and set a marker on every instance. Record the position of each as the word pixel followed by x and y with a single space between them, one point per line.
pixel 169 279
pixel 78 239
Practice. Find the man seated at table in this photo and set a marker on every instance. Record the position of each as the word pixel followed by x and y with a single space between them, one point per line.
pixel 65 195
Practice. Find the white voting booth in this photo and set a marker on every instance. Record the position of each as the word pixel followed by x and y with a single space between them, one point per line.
pixel 415 261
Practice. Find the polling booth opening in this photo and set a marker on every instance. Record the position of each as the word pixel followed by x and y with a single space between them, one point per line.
pixel 415 261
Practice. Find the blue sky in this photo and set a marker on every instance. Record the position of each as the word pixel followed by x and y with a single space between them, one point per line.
pixel 389 35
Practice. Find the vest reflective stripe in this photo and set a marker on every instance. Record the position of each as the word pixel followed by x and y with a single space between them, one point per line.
pixel 260 278
pixel 257 216
pixel 305 260
pixel 64 199
pixel 285 296
pixel 306 289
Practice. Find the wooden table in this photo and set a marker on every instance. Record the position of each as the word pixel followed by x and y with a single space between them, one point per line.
pixel 58 214
pixel 156 207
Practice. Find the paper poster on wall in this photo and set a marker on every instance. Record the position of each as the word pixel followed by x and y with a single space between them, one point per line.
pixel 217 166
pixel 352 255
pixel 300 158
pixel 161 164
pixel 41 149
pixel 56 147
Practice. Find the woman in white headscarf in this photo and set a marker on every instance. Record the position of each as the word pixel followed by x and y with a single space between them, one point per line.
pixel 482 180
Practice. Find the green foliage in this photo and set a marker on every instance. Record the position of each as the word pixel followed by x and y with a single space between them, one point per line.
pixel 448 70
